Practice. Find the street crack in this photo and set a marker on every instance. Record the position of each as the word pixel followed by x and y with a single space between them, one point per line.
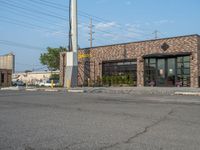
pixel 146 129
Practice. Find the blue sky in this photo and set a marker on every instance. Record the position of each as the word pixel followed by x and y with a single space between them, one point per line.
pixel 27 27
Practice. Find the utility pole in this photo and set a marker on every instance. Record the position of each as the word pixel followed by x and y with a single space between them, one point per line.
pixel 91 33
pixel 91 39
pixel 71 71
pixel 156 34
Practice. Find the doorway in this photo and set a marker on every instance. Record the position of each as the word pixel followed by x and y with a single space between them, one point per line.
pixel 167 71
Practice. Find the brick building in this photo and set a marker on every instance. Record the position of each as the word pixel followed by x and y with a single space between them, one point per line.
pixel 7 67
pixel 162 62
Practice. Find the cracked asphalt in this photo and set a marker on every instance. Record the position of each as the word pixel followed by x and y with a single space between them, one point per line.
pixel 69 121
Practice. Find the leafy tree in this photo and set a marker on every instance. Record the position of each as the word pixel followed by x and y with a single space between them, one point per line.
pixel 52 57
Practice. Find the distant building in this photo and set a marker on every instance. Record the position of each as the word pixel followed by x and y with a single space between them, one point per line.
pixel 7 68
pixel 165 62
pixel 32 78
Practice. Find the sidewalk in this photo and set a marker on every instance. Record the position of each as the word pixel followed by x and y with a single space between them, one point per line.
pixel 119 90
pixel 144 90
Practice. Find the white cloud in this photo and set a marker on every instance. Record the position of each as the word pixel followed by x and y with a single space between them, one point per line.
pixel 128 2
pixel 124 33
pixel 105 26
pixel 164 21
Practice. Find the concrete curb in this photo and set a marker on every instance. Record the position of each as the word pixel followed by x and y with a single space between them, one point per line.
pixel 51 90
pixel 188 93
pixel 76 91
pixel 12 88
pixel 31 89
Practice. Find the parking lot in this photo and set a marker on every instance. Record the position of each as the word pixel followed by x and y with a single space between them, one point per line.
pixel 85 121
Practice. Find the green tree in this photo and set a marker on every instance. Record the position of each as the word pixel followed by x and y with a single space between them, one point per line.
pixel 55 76
pixel 52 57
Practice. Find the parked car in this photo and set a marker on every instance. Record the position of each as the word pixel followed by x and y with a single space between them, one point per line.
pixel 18 83
pixel 48 83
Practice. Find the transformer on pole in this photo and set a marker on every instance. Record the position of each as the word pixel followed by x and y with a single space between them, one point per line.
pixel 71 75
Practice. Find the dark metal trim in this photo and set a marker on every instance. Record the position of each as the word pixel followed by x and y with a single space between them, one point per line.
pixel 164 55
pixel 119 60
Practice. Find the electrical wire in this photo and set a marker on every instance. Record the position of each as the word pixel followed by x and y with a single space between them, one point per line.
pixel 56 6
pixel 39 19
pixel 32 10
pixel 60 7
pixel 11 43
pixel 81 13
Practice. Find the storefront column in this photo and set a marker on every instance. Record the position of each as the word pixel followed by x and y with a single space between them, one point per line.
pixel 140 71
pixel 194 77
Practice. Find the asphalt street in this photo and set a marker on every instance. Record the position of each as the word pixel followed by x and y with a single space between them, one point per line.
pixel 81 121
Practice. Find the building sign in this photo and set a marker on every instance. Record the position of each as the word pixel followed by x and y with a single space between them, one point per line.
pixel 165 46
pixel 81 56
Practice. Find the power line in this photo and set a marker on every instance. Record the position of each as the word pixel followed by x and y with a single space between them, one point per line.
pixel 35 18
pixel 32 10
pixel 22 64
pixel 38 69
pixel 26 4
pixel 43 27
pixel 27 23
pixel 59 17
pixel 81 13
pixel 30 26
pixel 11 43
pixel 61 7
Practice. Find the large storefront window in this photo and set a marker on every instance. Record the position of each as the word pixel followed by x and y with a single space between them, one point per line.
pixel 150 71
pixel 120 72
pixel 173 71
pixel 183 71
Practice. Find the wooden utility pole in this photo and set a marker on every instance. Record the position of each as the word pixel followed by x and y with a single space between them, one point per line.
pixel 91 39
pixel 91 33
pixel 156 34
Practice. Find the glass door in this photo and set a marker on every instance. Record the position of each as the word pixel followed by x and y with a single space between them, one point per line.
pixel 161 72
pixel 171 72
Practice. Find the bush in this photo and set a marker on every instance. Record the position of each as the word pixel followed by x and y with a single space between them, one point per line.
pixel 118 80
pixel 104 80
pixel 108 80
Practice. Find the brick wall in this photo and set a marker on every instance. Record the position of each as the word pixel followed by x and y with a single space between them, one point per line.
pixel 199 56
pixel 7 77
pixel 137 50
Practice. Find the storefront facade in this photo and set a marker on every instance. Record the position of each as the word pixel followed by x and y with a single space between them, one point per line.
pixel 5 77
pixel 163 62
pixel 170 70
